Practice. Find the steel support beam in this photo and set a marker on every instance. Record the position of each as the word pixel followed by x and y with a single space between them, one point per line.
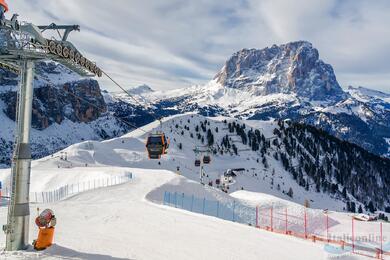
pixel 17 228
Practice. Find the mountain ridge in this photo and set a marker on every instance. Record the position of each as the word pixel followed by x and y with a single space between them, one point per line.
pixel 355 115
pixel 286 82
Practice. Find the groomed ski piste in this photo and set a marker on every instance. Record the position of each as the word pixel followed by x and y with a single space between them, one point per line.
pixel 130 220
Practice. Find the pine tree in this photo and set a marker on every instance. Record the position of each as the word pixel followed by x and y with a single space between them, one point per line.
pixel 235 150
pixel 344 192
pixel 371 207
pixel 210 138
pixel 290 193
pixel 265 163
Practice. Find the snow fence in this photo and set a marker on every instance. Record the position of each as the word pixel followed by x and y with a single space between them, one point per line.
pixel 73 189
pixel 305 223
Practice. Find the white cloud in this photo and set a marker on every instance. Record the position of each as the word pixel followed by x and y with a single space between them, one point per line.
pixel 176 43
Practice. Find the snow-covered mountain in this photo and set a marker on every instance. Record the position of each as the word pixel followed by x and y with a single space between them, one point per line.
pixel 286 81
pixel 66 109
pixel 293 68
pixel 139 90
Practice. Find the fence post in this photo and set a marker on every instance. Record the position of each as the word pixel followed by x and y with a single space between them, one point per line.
pixel 204 205
pixel 217 208
pixel 305 220
pixel 182 200
pixel 192 202
pixel 169 197
pixel 257 216
pixel 286 221
pixel 327 227
pixel 165 197
pixel 175 199
pixel 234 208
pixel 353 237
pixel 381 255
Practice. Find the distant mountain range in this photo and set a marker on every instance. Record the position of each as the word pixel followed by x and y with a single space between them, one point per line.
pixel 280 82
pixel 289 81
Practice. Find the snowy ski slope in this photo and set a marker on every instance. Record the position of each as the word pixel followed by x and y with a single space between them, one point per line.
pixel 128 221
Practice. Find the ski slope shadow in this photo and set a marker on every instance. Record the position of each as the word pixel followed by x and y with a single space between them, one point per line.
pixel 57 252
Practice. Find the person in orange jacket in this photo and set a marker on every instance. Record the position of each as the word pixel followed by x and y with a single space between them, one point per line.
pixel 3 8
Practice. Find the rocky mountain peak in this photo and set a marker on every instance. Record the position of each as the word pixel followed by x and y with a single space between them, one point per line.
pixel 292 68
pixel 141 89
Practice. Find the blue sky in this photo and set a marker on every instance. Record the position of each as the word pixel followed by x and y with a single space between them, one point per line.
pixel 177 43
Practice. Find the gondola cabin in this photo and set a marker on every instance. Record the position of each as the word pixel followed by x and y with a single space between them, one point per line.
pixel 157 145
pixel 206 159
pixel 197 163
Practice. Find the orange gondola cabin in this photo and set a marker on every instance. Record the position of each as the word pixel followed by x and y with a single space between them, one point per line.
pixel 157 145
pixel 206 159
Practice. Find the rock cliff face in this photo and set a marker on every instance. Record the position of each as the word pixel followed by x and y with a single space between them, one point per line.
pixel 54 104
pixel 290 68
pixel 66 109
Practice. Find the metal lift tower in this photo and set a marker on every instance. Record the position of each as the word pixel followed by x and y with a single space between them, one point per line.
pixel 21 46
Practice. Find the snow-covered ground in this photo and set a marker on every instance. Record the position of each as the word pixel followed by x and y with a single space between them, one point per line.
pixel 128 221
pixel 119 223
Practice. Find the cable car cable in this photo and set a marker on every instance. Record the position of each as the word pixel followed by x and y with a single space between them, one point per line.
pixel 131 96
pixel 139 103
